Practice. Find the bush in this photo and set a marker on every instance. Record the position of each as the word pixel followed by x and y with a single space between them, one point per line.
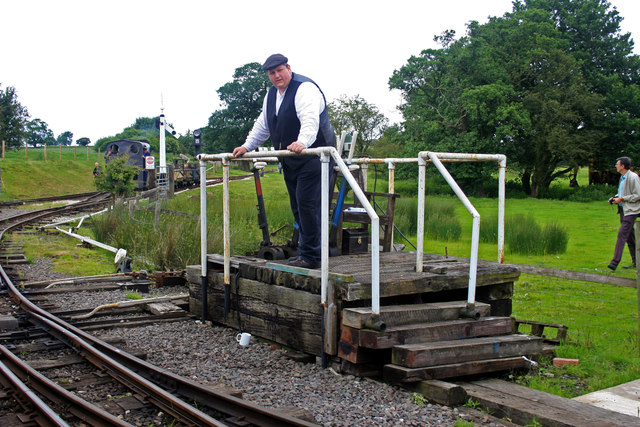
pixel 592 193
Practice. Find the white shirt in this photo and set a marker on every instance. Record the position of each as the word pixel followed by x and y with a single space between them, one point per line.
pixel 309 104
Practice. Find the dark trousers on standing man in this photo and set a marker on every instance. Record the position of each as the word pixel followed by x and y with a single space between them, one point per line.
pixel 626 235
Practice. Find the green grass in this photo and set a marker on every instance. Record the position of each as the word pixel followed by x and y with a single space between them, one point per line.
pixel 66 256
pixel 602 319
pixel 26 174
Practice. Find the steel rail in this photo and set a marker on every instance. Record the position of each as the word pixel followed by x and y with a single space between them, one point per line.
pixel 28 378
pixel 19 202
pixel 145 377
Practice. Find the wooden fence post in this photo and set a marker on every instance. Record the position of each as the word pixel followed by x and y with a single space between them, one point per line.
pixel 87 152
pixel 45 152
pixel 156 219
pixel 60 146
pixel 26 151
pixel 3 149
pixel 74 153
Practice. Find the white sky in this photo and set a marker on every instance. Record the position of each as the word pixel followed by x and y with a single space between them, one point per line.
pixel 92 67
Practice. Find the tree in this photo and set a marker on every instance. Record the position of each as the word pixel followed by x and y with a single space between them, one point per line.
pixel 117 178
pixel 242 102
pixel 38 133
pixel 609 67
pixel 512 86
pixel 357 115
pixel 65 138
pixel 84 141
pixel 13 118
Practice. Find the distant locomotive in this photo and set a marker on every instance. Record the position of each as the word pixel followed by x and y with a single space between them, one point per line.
pixel 185 172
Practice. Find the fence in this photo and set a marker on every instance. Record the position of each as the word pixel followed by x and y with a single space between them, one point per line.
pixel 596 309
pixel 54 152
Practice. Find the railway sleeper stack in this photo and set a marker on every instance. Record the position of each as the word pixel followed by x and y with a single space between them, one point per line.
pixel 424 335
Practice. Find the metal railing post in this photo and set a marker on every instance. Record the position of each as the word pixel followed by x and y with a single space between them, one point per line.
pixel 324 245
pixel 226 233
pixel 502 166
pixel 203 237
pixel 422 178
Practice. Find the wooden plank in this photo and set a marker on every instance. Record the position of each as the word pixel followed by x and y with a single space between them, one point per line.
pixel 280 295
pixel 402 374
pixel 270 312
pixel 160 308
pixel 522 405
pixel 315 273
pixel 355 354
pixel 442 392
pixel 417 283
pixel 292 337
pixel 398 315
pixel 425 332
pixel 458 351
pixel 576 275
pixel 331 323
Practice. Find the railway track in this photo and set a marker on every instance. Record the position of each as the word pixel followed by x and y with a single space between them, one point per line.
pixel 57 373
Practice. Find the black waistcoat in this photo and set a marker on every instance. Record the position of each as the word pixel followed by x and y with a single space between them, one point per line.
pixel 285 127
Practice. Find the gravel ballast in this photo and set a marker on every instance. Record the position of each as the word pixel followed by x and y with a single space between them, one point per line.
pixel 262 372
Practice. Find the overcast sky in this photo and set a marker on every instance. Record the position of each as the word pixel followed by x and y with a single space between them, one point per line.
pixel 93 67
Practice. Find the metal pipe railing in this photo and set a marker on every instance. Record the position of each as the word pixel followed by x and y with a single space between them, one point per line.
pixel 446 158
pixel 324 152
pixel 203 239
pixel 120 253
pixel 225 158
pixel 475 233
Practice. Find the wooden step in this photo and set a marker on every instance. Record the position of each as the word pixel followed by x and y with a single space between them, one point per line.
pixel 458 351
pixel 426 332
pixel 398 315
pixel 12 256
pixel 403 374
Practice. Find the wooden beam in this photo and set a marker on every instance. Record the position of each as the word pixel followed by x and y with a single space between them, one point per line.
pixel 402 374
pixel 436 331
pixel 309 272
pixel 405 314
pixel 441 392
pixel 458 351
pixel 523 405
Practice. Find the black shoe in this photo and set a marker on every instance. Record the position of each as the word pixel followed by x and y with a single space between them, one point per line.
pixel 293 258
pixel 303 264
pixel 629 267
pixel 612 266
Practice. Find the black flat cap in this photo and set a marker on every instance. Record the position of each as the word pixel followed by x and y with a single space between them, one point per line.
pixel 274 60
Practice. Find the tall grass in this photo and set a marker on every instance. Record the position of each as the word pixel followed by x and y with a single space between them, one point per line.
pixel 524 236
pixel 441 222
pixel 172 245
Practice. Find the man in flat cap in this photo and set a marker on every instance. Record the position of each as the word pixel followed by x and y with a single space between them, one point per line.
pixel 294 114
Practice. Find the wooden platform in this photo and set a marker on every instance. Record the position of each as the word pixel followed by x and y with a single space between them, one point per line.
pixel 418 334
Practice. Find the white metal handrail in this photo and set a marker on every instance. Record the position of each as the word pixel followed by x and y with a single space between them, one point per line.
pixel 324 153
pixel 475 233
pixel 501 159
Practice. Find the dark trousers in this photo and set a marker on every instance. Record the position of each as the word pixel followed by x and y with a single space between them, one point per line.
pixel 626 235
pixel 304 185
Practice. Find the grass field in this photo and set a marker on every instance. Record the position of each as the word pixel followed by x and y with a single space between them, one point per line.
pixel 602 320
